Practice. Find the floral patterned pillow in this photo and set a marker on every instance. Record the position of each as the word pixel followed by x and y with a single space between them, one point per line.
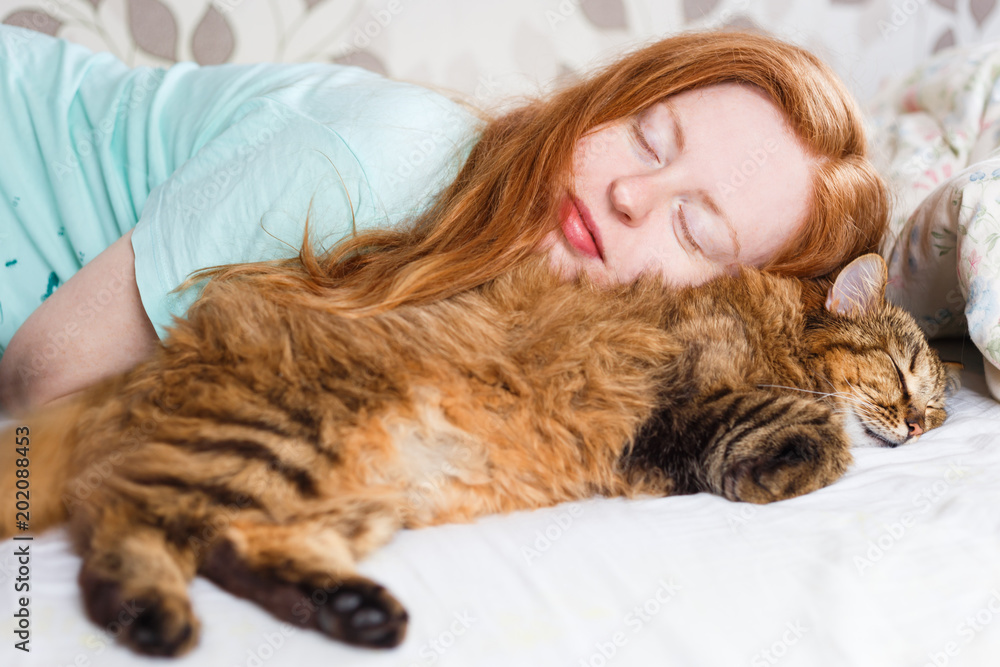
pixel 935 135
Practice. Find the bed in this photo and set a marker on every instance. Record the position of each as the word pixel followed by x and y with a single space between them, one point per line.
pixel 897 563
pixel 894 564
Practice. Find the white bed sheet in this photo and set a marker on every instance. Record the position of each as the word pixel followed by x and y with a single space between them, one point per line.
pixel 898 563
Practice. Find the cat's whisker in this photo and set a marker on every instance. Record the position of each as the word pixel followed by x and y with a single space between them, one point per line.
pixel 859 406
pixel 847 396
pixel 865 410
pixel 865 407
pixel 862 398
pixel 862 407
pixel 851 399
pixel 805 391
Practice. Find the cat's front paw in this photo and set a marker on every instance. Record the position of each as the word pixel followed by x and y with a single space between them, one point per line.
pixel 802 451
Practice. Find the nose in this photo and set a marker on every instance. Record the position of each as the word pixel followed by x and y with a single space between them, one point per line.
pixel 915 426
pixel 633 198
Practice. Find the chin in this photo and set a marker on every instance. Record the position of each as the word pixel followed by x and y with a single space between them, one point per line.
pixel 859 436
pixel 559 268
pixel 560 259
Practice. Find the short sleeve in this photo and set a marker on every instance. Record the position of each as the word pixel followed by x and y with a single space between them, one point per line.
pixel 244 196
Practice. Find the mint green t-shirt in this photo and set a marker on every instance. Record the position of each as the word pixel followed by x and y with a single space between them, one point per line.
pixel 210 165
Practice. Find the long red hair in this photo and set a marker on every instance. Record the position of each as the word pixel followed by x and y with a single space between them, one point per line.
pixel 505 198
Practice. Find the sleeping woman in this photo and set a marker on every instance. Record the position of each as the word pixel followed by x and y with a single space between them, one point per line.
pixel 691 157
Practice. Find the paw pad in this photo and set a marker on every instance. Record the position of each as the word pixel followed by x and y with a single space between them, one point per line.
pixel 365 614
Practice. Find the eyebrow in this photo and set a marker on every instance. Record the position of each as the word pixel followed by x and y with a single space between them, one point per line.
pixel 700 193
pixel 678 130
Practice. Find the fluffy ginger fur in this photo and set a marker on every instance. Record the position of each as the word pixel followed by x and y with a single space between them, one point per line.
pixel 269 446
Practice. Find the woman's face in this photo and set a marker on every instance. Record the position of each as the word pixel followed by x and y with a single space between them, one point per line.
pixel 692 187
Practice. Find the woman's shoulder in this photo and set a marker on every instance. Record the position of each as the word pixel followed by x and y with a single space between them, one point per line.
pixel 362 105
pixel 409 140
pixel 329 93
pixel 379 118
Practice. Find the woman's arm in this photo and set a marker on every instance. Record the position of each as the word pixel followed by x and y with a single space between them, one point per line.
pixel 93 326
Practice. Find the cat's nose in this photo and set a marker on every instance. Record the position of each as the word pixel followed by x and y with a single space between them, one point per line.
pixel 914 422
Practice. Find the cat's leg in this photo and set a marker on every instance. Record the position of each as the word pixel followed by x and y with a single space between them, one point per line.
pixel 772 445
pixel 304 573
pixel 134 584
pixel 752 445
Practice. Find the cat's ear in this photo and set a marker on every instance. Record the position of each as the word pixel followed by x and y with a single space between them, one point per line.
pixel 953 376
pixel 860 287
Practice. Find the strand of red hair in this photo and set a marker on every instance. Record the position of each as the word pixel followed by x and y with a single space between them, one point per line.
pixel 505 197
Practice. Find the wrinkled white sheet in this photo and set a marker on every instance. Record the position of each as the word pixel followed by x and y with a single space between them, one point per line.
pixel 898 563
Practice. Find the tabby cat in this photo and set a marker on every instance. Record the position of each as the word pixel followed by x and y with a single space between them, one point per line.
pixel 268 447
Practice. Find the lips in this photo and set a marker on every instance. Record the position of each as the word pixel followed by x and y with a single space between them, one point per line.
pixel 579 230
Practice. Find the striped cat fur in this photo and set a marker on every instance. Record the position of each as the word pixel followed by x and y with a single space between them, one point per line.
pixel 270 447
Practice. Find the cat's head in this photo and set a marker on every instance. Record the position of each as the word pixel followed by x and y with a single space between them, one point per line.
pixel 885 378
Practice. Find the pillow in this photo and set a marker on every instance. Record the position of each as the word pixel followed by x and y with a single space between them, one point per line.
pixel 935 136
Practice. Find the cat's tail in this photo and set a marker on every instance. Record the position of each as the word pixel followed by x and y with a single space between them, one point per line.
pixel 36 454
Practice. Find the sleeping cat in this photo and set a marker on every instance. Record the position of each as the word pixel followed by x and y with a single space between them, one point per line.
pixel 270 446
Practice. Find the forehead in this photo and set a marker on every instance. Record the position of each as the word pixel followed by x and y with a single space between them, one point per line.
pixel 746 101
pixel 741 147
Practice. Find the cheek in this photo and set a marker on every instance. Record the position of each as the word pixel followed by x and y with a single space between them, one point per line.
pixel 934 417
pixel 597 156
pixel 761 241
pixel 766 223
pixel 838 369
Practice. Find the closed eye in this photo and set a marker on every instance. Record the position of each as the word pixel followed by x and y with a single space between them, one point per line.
pixel 902 380
pixel 640 138
pixel 686 230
